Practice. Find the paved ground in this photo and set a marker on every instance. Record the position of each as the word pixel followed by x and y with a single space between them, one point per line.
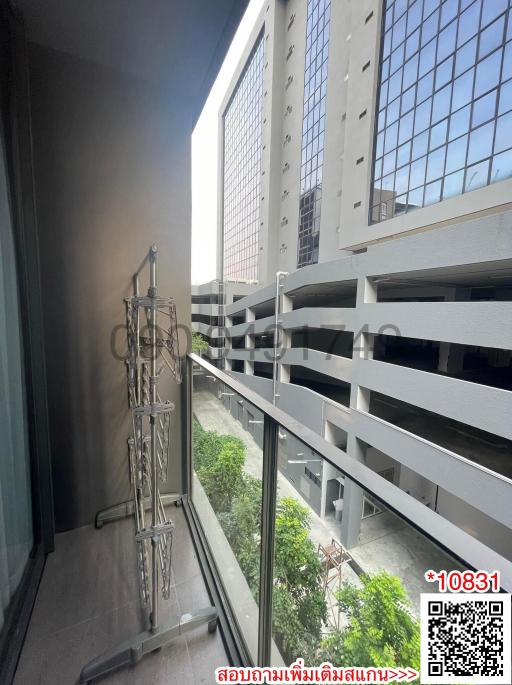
pixel 385 542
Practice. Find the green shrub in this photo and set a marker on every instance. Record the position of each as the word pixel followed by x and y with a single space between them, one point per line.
pixel 218 461
pixel 381 630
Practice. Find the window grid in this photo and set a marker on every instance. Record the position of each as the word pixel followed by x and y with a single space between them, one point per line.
pixel 444 104
pixel 313 128
pixel 242 172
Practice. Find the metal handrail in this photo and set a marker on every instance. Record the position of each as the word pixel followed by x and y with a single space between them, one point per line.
pixel 454 540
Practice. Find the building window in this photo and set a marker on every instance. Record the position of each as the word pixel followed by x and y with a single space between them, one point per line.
pixel 242 173
pixel 313 127
pixel 444 115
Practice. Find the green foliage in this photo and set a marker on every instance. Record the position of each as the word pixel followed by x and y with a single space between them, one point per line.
pixel 219 461
pixel 207 445
pixel 241 526
pixel 199 344
pixel 381 630
pixel 298 598
pixel 298 595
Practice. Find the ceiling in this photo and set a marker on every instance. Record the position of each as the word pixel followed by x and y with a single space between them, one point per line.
pixel 174 42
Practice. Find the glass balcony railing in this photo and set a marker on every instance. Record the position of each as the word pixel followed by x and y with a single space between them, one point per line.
pixel 306 556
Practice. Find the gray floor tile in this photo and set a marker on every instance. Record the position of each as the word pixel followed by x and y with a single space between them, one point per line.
pixel 88 602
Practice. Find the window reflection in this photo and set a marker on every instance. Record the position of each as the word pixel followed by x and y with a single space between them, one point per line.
pixel 453 91
pixel 315 90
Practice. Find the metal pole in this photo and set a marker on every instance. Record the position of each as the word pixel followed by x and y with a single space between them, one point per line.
pixel 277 312
pixel 268 516
pixel 138 374
pixel 152 292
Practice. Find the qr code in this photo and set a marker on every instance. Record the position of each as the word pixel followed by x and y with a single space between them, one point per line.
pixel 465 638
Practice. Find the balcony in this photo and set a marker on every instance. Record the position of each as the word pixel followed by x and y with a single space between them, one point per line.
pixel 254 476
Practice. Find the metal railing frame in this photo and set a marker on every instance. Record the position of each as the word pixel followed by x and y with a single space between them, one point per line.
pixel 467 550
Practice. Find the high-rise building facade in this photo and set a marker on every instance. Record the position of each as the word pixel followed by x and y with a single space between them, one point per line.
pixel 242 173
pixel 384 257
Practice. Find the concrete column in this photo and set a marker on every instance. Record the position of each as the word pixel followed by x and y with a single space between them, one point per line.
pixel 227 344
pixel 283 369
pixel 250 317
pixel 451 356
pixel 500 358
pixel 353 506
pixel 359 399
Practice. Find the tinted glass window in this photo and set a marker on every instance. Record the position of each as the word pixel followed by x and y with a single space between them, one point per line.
pixel 455 93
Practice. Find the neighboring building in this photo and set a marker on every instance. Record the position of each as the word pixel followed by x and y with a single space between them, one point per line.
pixel 207 312
pixel 382 154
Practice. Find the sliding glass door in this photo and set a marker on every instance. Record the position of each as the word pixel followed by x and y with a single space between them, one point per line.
pixel 16 538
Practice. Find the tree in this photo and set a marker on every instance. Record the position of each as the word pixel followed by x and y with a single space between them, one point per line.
pixel 199 343
pixel 299 607
pixel 381 630
pixel 218 462
pixel 298 598
pixel 241 526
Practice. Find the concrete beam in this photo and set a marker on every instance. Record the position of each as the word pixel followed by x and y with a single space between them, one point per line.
pixel 488 324
pixel 477 405
pixel 454 473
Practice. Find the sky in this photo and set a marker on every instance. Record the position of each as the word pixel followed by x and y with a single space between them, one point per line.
pixel 204 157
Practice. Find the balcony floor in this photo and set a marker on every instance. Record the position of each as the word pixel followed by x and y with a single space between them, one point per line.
pixel 88 602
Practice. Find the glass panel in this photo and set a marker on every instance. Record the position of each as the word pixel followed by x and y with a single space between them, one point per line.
pixel 408 99
pixel 468 23
pixel 438 134
pixel 446 42
pixel 488 73
pixel 432 193
pixel 491 9
pixel 403 154
pixel 484 109
pixel 227 463
pixel 502 166
pixel 505 98
pixel 418 172
pixel 503 132
pixel 427 58
pixel 406 128
pixel 419 145
pixel 459 123
pixel 491 37
pixel 425 87
pixel 441 103
pixel 507 60
pixel 465 57
pixel 448 11
pixel 435 165
pixel 15 493
pixel 480 143
pixel 456 157
pixel 476 176
pixel 453 184
pixel 412 43
pixel 462 88
pixel 333 542
pixel 444 73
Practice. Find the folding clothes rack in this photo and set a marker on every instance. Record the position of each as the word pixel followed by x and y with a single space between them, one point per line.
pixel 148 456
